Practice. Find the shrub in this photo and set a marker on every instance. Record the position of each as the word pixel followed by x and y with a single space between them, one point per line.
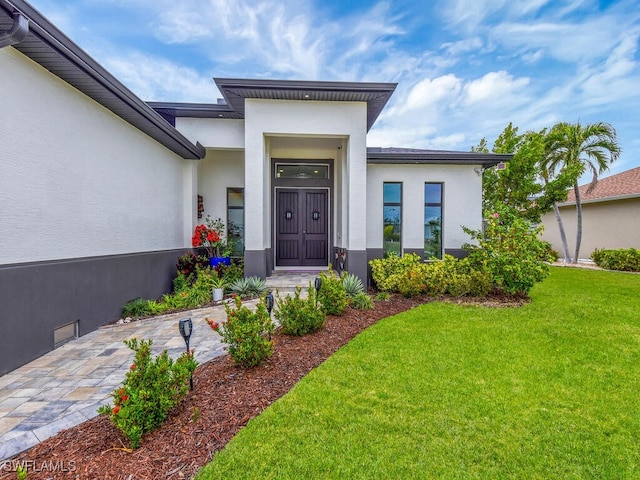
pixel 382 296
pixel 136 308
pixel 550 254
pixel 247 333
pixel 299 316
pixel 440 275
pixel 412 282
pixel 248 287
pixel 352 284
pixel 200 292
pixel 150 389
pixel 481 283
pixel 510 251
pixel 624 259
pixel 231 272
pixel 188 262
pixel 361 301
pixel 181 283
pixel 387 272
pixel 332 295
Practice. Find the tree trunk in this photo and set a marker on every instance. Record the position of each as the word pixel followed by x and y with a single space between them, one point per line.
pixel 579 223
pixel 563 236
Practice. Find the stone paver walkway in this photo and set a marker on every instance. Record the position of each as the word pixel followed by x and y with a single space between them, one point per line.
pixel 65 387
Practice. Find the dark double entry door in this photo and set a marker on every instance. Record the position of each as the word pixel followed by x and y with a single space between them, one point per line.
pixel 302 227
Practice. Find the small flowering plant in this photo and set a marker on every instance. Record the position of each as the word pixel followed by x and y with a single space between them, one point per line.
pixel 246 332
pixel 211 236
pixel 151 387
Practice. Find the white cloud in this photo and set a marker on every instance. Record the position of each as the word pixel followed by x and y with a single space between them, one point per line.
pixel 496 87
pixel 428 93
pixel 158 79
pixel 462 46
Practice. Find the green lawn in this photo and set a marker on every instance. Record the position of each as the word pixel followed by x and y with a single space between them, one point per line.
pixel 550 390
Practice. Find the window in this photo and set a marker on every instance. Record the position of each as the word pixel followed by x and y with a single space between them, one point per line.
pixel 392 212
pixel 235 220
pixel 301 170
pixel 432 220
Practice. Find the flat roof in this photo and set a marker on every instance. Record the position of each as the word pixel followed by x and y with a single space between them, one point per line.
pixel 375 95
pixel 395 155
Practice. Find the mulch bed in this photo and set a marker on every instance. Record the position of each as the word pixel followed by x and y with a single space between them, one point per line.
pixel 225 398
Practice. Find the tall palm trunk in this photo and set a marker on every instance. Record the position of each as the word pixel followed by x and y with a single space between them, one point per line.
pixel 563 236
pixel 579 221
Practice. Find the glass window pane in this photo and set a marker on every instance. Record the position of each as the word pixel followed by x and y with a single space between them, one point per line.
pixel 288 170
pixel 432 193
pixel 235 220
pixel 235 197
pixel 392 193
pixel 236 230
pixel 433 220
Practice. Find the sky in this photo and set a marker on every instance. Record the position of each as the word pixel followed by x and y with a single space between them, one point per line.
pixel 464 68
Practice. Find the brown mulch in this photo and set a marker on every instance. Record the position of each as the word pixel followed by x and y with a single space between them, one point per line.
pixel 224 399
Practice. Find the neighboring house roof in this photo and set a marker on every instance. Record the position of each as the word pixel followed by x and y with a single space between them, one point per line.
pixel 390 155
pixel 616 187
pixel 52 49
pixel 236 90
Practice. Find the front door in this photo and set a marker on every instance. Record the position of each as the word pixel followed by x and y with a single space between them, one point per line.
pixel 302 227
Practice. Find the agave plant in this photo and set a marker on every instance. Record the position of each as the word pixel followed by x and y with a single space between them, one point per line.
pixel 352 284
pixel 248 287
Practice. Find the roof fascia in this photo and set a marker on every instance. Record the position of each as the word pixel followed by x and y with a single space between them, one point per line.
pixel 602 200
pixel 438 158
pixel 240 89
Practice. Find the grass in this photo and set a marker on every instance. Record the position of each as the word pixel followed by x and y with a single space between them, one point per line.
pixel 548 390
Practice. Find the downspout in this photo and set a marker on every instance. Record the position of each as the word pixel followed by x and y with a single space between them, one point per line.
pixel 17 33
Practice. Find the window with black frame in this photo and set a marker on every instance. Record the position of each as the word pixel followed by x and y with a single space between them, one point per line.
pixel 432 220
pixel 235 220
pixel 392 213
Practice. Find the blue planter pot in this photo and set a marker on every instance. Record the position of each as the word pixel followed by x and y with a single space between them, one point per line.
pixel 215 261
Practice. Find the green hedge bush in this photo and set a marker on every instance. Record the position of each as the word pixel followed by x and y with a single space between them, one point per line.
pixel 151 388
pixel 624 259
pixel 299 316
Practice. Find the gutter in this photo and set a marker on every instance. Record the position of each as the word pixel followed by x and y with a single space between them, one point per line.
pixel 17 33
pixel 601 200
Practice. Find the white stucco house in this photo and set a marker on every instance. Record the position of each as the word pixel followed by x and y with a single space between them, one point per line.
pixel 99 189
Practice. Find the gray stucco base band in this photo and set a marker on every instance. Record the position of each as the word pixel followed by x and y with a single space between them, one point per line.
pixel 255 263
pixel 356 263
pixel 39 297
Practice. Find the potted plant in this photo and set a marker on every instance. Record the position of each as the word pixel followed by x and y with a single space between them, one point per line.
pixel 211 236
pixel 219 284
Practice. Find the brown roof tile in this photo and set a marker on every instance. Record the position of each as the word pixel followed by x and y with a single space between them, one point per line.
pixel 619 185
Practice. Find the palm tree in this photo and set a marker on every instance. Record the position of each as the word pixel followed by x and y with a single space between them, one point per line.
pixel 592 147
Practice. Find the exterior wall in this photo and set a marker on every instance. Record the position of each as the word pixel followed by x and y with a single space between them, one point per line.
pixel 93 212
pixel 213 133
pixel 265 119
pixel 77 180
pixel 462 192
pixel 610 225
pixel 219 170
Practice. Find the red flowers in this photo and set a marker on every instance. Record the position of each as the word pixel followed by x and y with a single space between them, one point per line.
pixel 214 325
pixel 116 410
pixel 132 367
pixel 210 236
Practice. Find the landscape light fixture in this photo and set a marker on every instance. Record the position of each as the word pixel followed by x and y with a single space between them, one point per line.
pixel 269 300
pixel 318 285
pixel 186 328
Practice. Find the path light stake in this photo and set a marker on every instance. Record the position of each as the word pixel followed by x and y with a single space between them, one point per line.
pixel 318 285
pixel 269 300
pixel 186 328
